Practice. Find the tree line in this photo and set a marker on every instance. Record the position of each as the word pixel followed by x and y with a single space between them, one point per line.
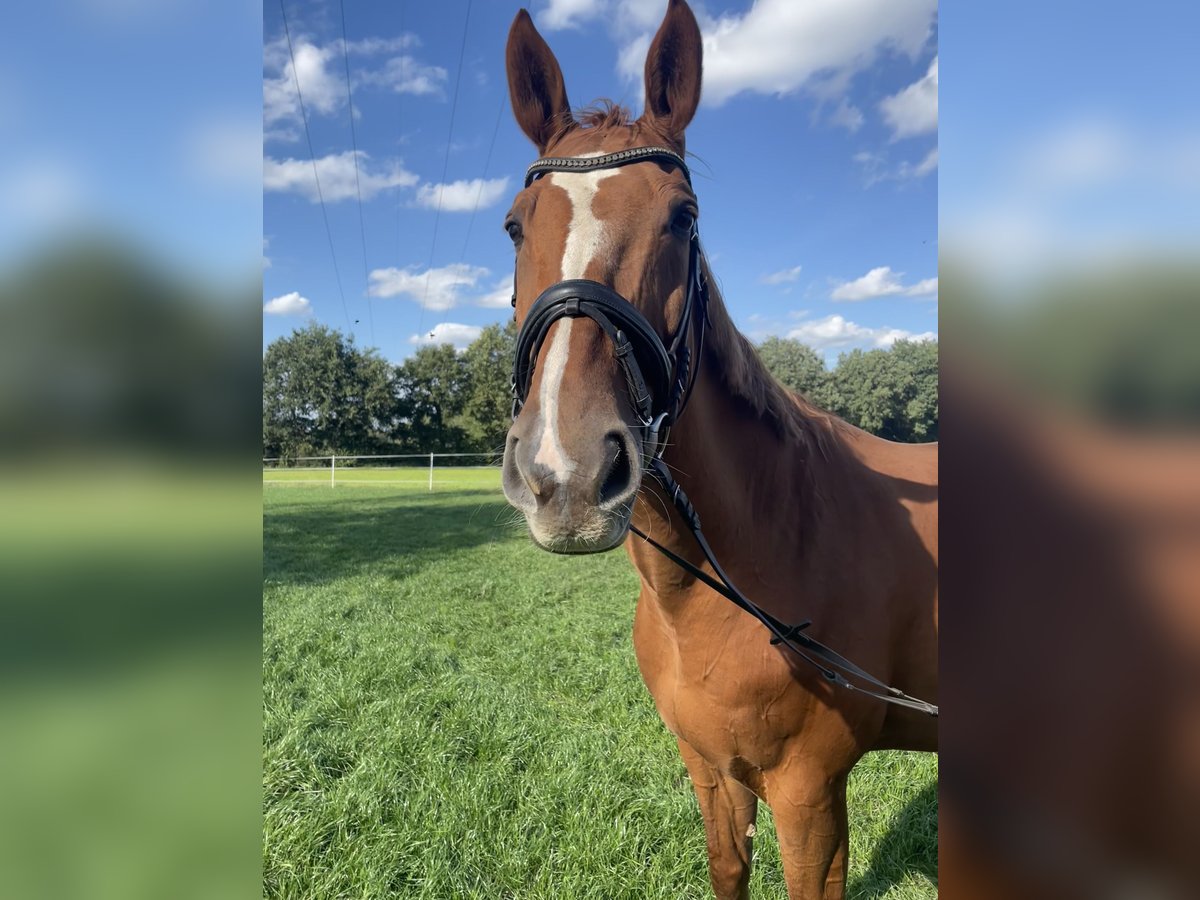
pixel 324 395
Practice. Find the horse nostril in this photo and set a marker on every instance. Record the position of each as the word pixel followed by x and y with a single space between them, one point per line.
pixel 617 482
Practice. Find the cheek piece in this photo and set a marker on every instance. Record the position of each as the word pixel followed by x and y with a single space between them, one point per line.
pixel 658 375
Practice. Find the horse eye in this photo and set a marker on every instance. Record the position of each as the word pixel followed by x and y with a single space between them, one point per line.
pixel 683 222
pixel 514 230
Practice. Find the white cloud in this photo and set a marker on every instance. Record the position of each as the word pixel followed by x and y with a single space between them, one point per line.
pixel 785 276
pixel 1086 190
pixel 323 81
pixel 372 46
pixel 1083 154
pixel 500 297
pixel 631 60
pixel 448 333
pixel 640 15
pixel 838 333
pixel 336 172
pixel 560 14
pixel 877 168
pixel 882 282
pixel 847 116
pixel 226 152
pixel 324 93
pixel 439 288
pixel 42 192
pixel 288 305
pixel 920 170
pixel 462 196
pixel 406 75
pixel 781 46
pixel 914 110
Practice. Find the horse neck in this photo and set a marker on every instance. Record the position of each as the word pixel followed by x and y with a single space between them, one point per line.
pixel 754 488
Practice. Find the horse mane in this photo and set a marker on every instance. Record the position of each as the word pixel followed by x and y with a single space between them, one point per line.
pixel 790 415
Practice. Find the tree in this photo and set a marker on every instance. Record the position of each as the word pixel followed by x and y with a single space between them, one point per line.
pixel 795 365
pixel 432 387
pixel 487 406
pixel 892 393
pixel 321 395
pixel 104 351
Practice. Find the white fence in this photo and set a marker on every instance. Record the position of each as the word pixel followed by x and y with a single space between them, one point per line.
pixel 426 470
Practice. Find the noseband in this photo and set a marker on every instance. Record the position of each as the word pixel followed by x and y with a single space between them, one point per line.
pixel 659 375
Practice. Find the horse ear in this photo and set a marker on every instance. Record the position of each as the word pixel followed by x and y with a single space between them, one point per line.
pixel 673 72
pixel 535 84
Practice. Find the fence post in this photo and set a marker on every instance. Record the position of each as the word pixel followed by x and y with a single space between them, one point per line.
pixel 333 471
pixel 431 473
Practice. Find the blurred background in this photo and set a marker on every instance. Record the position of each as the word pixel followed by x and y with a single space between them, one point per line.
pixel 130 270
pixel 1069 234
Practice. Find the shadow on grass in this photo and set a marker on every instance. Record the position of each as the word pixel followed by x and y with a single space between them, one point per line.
pixel 319 542
pixel 909 847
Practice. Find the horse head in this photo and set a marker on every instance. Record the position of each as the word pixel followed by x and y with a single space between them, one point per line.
pixel 605 290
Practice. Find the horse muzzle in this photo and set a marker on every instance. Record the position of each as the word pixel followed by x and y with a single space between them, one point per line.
pixel 577 505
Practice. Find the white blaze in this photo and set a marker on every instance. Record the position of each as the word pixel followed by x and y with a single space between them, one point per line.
pixel 550 451
pixel 585 241
pixel 585 235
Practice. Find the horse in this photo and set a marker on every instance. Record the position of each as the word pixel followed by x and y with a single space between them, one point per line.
pixel 813 518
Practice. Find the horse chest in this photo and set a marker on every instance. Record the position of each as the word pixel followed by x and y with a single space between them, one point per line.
pixel 730 704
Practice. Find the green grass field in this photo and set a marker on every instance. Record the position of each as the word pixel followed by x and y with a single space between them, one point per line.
pixel 451 712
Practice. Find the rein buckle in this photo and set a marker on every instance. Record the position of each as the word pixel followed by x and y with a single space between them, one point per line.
pixel 657 443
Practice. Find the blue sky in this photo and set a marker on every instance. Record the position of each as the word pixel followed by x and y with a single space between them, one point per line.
pixel 1072 137
pixel 139 119
pixel 816 168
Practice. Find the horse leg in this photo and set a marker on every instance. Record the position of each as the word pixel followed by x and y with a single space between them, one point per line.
pixel 810 819
pixel 729 809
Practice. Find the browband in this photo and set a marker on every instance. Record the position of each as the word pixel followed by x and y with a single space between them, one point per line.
pixel 607 161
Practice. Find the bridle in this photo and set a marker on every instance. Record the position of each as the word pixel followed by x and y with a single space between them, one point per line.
pixel 660 377
pixel 658 374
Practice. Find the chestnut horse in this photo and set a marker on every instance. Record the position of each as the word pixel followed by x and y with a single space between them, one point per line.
pixel 811 517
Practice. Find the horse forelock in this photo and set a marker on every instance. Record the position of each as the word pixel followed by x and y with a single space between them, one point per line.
pixel 592 127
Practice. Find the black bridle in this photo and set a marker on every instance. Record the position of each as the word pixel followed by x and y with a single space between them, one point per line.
pixel 660 376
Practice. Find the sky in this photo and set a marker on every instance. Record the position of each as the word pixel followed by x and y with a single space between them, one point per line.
pixel 1075 141
pixel 1073 145
pixel 137 119
pixel 815 162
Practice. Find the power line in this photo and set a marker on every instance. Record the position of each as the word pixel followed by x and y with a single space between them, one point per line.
pixel 399 125
pixel 462 52
pixel 482 181
pixel 313 156
pixel 362 227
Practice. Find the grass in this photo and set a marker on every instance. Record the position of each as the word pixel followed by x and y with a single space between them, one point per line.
pixel 450 712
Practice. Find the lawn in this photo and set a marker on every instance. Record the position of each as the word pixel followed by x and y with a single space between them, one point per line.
pixel 451 712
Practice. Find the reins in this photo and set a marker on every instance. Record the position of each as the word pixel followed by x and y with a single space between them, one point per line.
pixel 672 375
pixel 832 665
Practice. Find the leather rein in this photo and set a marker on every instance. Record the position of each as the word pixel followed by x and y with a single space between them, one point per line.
pixel 660 377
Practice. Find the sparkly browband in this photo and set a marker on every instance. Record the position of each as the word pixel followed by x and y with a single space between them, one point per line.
pixel 607 161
